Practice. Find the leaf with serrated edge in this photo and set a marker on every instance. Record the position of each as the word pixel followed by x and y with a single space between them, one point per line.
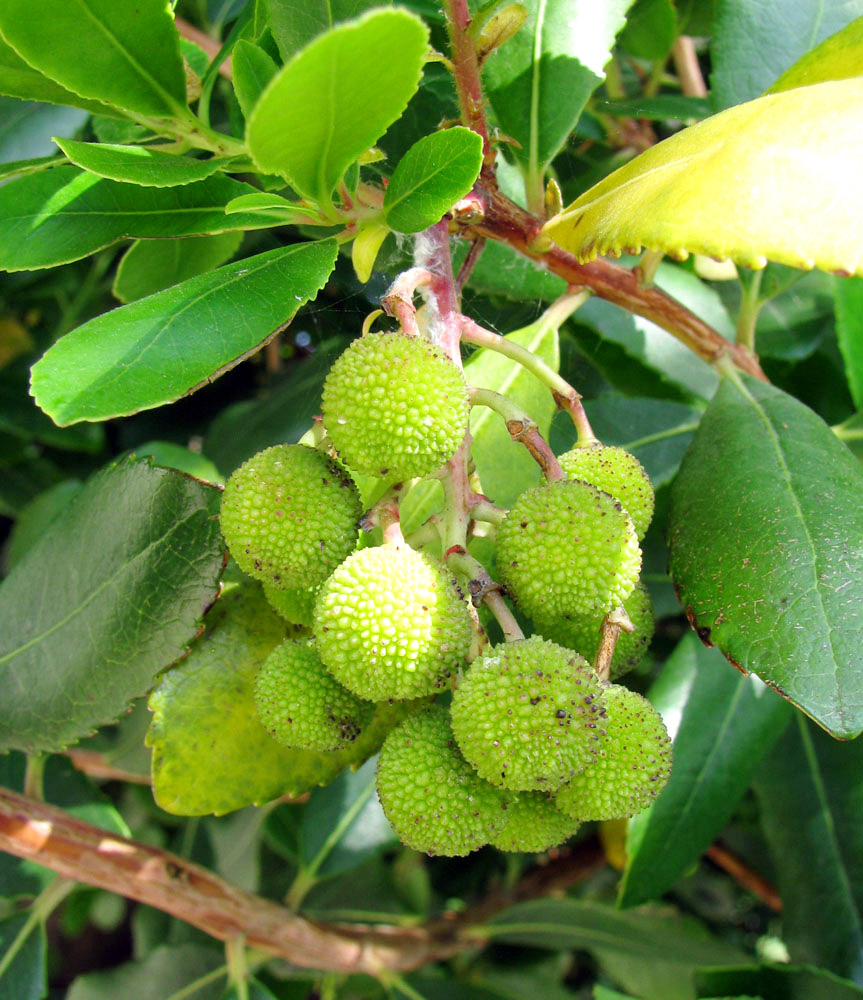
pixel 109 596
pixel 773 179
pixel 431 177
pixel 336 98
pixel 132 51
pixel 838 57
pixel 766 548
pixel 138 164
pixel 164 346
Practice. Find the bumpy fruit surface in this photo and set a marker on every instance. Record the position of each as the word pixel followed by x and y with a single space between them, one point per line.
pixel 390 623
pixel 528 715
pixel 304 706
pixel 567 548
pixel 583 633
pixel 395 406
pixel 617 472
pixel 290 515
pixel 533 824
pixel 634 768
pixel 296 605
pixel 433 798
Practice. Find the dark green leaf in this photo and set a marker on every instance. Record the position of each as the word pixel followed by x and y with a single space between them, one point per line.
pixel 165 971
pixel 36 516
pixel 132 53
pixel 848 294
pixel 20 168
pixel 175 456
pixel 27 128
pixel 210 752
pixel 295 25
pixel 343 824
pixel 160 348
pixel 651 28
pixel 570 923
pixel 659 108
pixel 505 468
pixel 539 82
pixel 22 959
pixel 21 418
pixel 253 991
pixel 107 598
pixel 792 325
pixel 326 107
pixel 431 177
pixel 766 550
pixel 138 164
pixel 753 43
pixel 722 724
pixel 811 793
pixel 774 982
pixel 150 266
pixel 220 11
pixel 501 271
pixel 76 214
pixel 19 79
pixel 253 69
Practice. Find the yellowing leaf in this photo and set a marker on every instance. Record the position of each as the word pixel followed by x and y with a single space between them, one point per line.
pixel 773 179
pixel 838 57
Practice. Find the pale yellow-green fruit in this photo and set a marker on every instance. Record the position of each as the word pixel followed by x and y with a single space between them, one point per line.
pixel 567 548
pixel 533 824
pixel 617 472
pixel 290 515
pixel 391 623
pixel 433 798
pixel 528 715
pixel 296 605
pixel 395 406
pixel 633 769
pixel 302 705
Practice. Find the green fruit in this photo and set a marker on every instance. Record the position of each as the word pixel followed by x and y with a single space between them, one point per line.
pixel 567 548
pixel 618 473
pixel 302 705
pixel 533 824
pixel 390 623
pixel 296 605
pixel 632 771
pixel 583 633
pixel 290 516
pixel 528 715
pixel 430 794
pixel 395 406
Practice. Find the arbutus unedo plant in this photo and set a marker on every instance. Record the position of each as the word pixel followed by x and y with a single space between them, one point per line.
pixel 384 612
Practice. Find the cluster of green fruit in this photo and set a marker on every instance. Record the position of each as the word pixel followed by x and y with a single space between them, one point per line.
pixel 533 741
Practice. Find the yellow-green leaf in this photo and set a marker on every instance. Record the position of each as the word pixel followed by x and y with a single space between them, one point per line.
pixel 773 179
pixel 837 58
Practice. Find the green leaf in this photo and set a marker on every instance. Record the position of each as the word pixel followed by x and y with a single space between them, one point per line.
pixel 136 538
pixel 836 58
pixel 722 724
pixel 336 98
pixel 21 418
pixel 539 82
pixel 766 553
pixel 22 959
pixel 132 53
pixel 775 982
pixel 253 991
pixel 295 25
pixel 175 456
pixel 810 789
pixel 431 177
pixel 26 128
pixel 848 297
pixel 20 168
pixel 562 924
pixel 659 108
pixel 75 214
pixel 36 516
pixel 755 183
pixel 502 271
pixel 505 468
pixel 651 28
pixel 167 970
pixel 754 41
pixel 253 69
pixel 150 266
pixel 210 752
pixel 343 824
pixel 19 79
pixel 162 347
pixel 139 164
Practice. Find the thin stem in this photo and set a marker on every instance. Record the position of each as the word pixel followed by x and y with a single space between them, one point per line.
pixel 466 71
pixel 522 428
pixel 612 625
pixel 34 773
pixel 484 590
pixel 41 908
pixel 468 263
pixel 238 969
pixel 432 253
pixel 485 510
pixel 848 433
pixel 392 979
pixel 647 267
pixel 750 306
pixel 190 989
pixel 688 71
